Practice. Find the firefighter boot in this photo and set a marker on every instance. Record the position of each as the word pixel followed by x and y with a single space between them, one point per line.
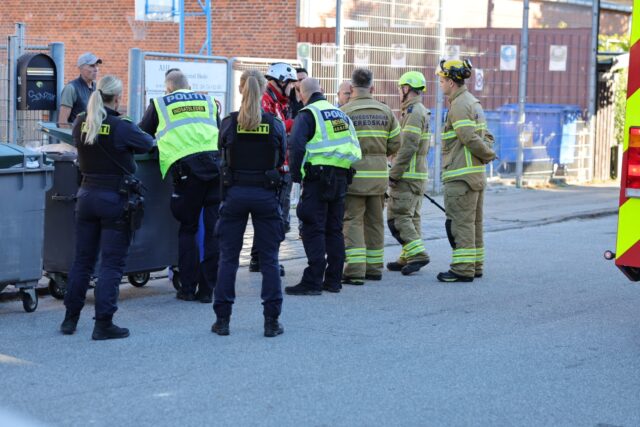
pixel 413 266
pixel 450 276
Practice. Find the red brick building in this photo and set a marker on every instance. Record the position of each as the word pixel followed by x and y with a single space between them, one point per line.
pixel 240 28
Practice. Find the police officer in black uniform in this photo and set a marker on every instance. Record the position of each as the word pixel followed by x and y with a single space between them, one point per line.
pixel 108 206
pixel 253 146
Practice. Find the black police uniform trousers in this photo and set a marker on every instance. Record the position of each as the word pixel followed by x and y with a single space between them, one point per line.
pixel 266 216
pixel 100 228
pixel 321 212
pixel 192 196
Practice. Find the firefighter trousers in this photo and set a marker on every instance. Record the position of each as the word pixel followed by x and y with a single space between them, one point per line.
pixel 464 227
pixel 403 219
pixel 364 236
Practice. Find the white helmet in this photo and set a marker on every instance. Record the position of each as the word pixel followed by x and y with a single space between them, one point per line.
pixel 282 72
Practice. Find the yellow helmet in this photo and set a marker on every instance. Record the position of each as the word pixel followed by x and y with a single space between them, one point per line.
pixel 415 79
pixel 455 69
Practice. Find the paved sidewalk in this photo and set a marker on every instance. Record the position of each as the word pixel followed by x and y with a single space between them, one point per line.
pixel 506 207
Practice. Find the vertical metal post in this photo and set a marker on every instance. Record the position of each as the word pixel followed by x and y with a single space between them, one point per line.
pixel 207 13
pixel 522 90
pixel 12 86
pixel 339 44
pixel 181 16
pixel 21 35
pixel 56 50
pixel 593 79
pixel 136 84
pixel 437 166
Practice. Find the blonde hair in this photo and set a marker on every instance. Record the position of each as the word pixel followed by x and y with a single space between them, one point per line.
pixel 106 90
pixel 252 85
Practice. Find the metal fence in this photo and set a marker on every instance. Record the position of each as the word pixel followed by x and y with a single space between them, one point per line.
pixel 393 37
pixel 21 126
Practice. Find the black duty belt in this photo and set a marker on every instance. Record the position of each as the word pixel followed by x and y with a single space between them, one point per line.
pixel 107 182
pixel 249 179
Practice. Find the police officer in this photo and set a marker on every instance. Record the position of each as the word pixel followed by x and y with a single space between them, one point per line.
pixel 466 149
pixel 106 143
pixel 379 136
pixel 185 125
pixel 324 144
pixel 408 176
pixel 253 147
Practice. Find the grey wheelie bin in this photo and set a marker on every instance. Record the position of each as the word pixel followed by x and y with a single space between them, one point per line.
pixel 154 246
pixel 24 179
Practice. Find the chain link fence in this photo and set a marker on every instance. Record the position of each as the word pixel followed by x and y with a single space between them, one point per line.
pixel 394 36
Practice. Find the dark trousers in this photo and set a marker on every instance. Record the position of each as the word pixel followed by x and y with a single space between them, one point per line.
pixel 285 204
pixel 100 229
pixel 321 212
pixel 266 215
pixel 190 197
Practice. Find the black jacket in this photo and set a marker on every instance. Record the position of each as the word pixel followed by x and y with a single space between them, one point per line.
pixel 304 127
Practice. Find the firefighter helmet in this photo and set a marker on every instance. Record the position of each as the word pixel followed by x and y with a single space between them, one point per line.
pixel 455 69
pixel 415 79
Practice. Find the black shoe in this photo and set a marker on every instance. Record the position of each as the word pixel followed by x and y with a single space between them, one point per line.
pixel 281 270
pixel 287 228
pixel 186 296
pixel 477 275
pixel 301 289
pixel 395 266
pixel 106 330
pixel 357 281
pixel 450 276
pixel 69 324
pixel 254 265
pixel 272 328
pixel 204 298
pixel 412 267
pixel 221 327
pixel 332 289
pixel 376 277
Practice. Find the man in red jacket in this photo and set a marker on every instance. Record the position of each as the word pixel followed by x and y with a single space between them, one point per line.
pixel 281 78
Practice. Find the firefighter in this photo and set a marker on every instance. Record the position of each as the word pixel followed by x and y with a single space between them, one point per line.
pixel 185 125
pixel 253 147
pixel 408 176
pixel 281 79
pixel 106 143
pixel 324 144
pixel 379 136
pixel 466 149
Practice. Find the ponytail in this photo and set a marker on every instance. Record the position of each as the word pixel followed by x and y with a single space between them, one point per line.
pixel 252 86
pixel 106 90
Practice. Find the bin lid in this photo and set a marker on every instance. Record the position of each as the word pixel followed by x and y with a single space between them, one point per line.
pixel 63 134
pixel 16 157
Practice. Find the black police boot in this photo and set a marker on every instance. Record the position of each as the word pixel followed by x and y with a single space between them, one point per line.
pixel 412 267
pixel 281 270
pixel 221 326
pixel 301 289
pixel 272 328
pixel 254 265
pixel 395 266
pixel 204 297
pixel 357 281
pixel 478 274
pixel 186 295
pixel 333 289
pixel 450 276
pixel 70 322
pixel 105 330
pixel 376 277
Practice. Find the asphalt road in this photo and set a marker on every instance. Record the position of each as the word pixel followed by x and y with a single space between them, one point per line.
pixel 549 337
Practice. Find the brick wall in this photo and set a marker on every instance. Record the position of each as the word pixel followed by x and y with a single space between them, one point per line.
pixel 240 28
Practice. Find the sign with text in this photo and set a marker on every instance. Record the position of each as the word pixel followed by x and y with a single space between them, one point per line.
pixel 558 57
pixel 508 57
pixel 204 77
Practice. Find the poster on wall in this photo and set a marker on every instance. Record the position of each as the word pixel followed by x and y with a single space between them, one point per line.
pixel 399 55
pixel 452 52
pixel 204 77
pixel 478 81
pixel 361 55
pixel 558 57
pixel 508 57
pixel 328 54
